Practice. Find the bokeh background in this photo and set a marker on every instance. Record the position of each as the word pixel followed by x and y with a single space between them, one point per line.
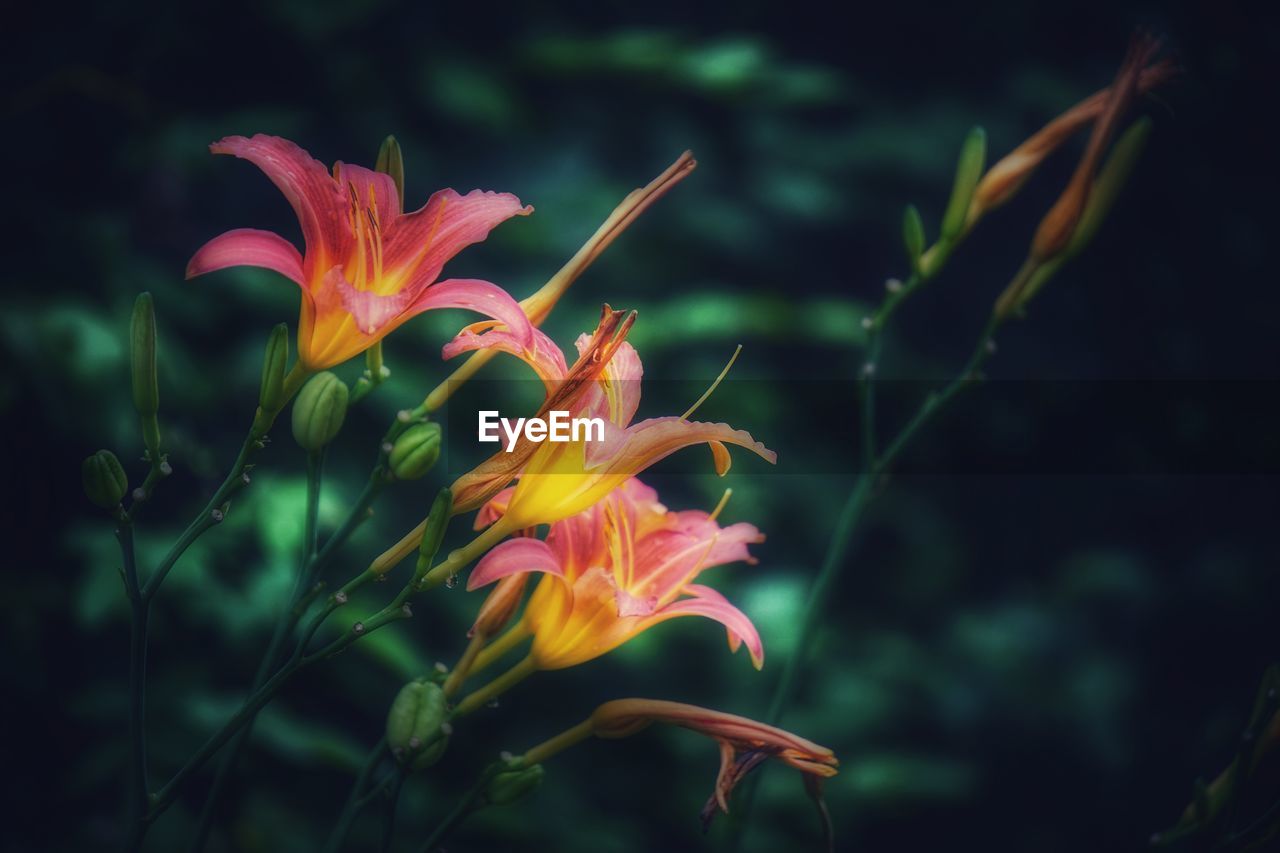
pixel 1041 655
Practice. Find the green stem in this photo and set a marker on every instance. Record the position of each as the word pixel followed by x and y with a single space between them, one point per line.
pixel 461 810
pixel 284 624
pixel 351 808
pixel 208 517
pixel 389 817
pixel 837 550
pixel 139 610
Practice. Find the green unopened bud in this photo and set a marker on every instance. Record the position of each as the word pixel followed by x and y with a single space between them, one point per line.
pixel 142 364
pixel 271 392
pixel 913 235
pixel 391 162
pixel 319 410
pixel 415 451
pixel 973 158
pixel 104 479
pixel 512 785
pixel 417 733
pixel 433 532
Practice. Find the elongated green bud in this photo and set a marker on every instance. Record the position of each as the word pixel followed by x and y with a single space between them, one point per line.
pixel 973 158
pixel 433 533
pixel 415 451
pixel 391 162
pixel 319 410
pixel 105 482
pixel 142 364
pixel 513 785
pixel 274 361
pixel 913 235
pixel 416 731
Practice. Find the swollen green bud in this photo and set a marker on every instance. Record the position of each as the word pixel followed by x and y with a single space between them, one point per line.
pixel 973 158
pixel 142 364
pixel 417 733
pixel 415 451
pixel 513 785
pixel 913 235
pixel 433 532
pixel 391 162
pixel 319 410
pixel 104 479
pixel 271 392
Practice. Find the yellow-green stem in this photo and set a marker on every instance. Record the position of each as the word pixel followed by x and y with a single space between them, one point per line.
pixel 496 688
pixel 554 746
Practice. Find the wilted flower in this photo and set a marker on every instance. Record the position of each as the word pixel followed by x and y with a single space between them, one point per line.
pixel 367 266
pixel 744 743
pixel 617 570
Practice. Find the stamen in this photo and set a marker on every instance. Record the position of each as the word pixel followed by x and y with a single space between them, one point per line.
pixel 714 385
pixel 724 499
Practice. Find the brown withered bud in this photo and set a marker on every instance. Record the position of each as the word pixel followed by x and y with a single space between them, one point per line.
pixel 500 605
pixel 1007 176
pixel 1060 222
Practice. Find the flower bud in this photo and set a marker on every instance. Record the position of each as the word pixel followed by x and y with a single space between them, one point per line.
pixel 913 235
pixel 414 733
pixel 513 785
pixel 142 364
pixel 433 531
pixel 500 605
pixel 319 410
pixel 104 479
pixel 973 158
pixel 391 162
pixel 415 451
pixel 271 391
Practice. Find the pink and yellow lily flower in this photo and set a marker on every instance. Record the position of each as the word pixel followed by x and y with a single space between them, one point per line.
pixel 616 570
pixel 561 479
pixel 367 266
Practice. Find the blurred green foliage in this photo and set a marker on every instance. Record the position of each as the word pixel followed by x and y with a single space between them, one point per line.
pixel 1038 662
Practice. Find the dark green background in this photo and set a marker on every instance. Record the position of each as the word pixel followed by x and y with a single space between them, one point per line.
pixel 1039 661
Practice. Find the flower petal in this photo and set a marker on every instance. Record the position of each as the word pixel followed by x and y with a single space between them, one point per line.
pixel 545 358
pixel 316 199
pixel 713 605
pixel 373 190
pixel 616 396
pixel 657 438
pixel 480 296
pixel 248 247
pixel 513 557
pixel 423 241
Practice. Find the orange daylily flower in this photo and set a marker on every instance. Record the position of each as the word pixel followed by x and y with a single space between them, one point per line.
pixel 616 570
pixel 561 479
pixel 367 266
